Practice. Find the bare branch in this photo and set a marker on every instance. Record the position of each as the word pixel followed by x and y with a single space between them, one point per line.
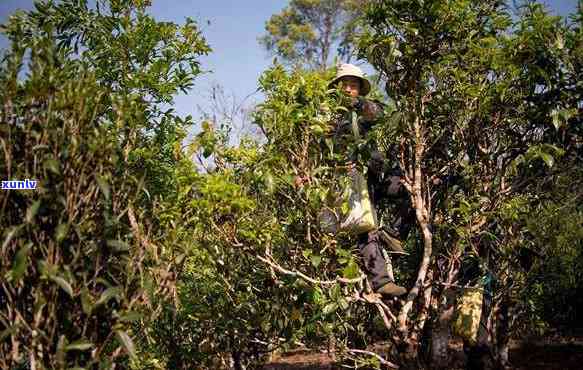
pixel 309 279
pixel 422 214
pixel 381 359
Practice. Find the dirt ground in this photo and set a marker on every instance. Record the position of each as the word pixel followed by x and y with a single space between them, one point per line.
pixel 302 360
pixel 548 355
pixel 542 354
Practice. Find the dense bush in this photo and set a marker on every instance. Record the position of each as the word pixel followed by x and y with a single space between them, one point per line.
pixel 83 258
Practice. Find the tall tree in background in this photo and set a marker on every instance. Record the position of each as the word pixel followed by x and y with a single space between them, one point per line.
pixel 307 31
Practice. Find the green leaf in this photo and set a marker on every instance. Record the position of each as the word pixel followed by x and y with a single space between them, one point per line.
pixel 131 316
pixel 86 301
pixel 52 165
pixel 343 304
pixel 315 260
pixel 61 232
pixel 103 186
pixel 20 262
pixel 329 308
pixel 118 245
pixel 316 296
pixel 79 345
pixel 8 332
pixel 560 117
pixel 64 284
pixel 108 294
pixel 549 159
pixel 316 129
pixel 345 208
pixel 555 115
pixel 32 211
pixel 40 147
pixel 127 342
pixel 351 270
pixel 329 145
pixel 11 235
pixel 269 183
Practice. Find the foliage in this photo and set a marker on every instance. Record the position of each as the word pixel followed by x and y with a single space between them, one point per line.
pixel 80 268
pixel 234 307
pixel 478 101
pixel 552 220
pixel 306 31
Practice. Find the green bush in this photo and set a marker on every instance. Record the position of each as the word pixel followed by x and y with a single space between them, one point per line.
pixel 84 262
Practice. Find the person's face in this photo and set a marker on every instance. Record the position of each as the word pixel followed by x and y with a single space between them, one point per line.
pixel 350 85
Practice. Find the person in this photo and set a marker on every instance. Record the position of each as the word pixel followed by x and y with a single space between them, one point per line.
pixel 382 182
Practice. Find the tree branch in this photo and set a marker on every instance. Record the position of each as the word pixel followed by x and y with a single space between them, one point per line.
pixel 381 359
pixel 422 215
pixel 307 278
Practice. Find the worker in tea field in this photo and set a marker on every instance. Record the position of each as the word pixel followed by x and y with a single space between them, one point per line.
pixel 382 180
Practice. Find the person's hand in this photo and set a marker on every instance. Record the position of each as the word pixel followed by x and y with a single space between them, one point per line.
pixel 299 181
pixel 350 166
pixel 436 180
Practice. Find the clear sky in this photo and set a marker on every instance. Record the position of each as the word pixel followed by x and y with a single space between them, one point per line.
pixel 237 58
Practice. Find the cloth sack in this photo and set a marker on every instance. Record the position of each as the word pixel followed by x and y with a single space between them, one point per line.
pixel 361 216
pixel 468 313
pixel 353 212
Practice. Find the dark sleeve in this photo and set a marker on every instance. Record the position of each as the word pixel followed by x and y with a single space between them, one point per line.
pixel 370 112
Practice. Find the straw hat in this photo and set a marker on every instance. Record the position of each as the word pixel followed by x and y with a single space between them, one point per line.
pixel 351 70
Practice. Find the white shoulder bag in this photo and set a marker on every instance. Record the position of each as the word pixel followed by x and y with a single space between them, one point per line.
pixel 361 216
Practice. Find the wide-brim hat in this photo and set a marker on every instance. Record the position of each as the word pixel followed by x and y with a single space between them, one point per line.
pixel 346 70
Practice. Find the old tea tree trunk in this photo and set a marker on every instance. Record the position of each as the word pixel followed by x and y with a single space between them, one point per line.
pixel 410 327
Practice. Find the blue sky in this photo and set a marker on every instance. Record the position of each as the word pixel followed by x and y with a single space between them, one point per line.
pixel 237 59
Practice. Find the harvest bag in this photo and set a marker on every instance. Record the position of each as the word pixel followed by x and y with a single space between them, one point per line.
pixel 360 216
pixel 468 314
